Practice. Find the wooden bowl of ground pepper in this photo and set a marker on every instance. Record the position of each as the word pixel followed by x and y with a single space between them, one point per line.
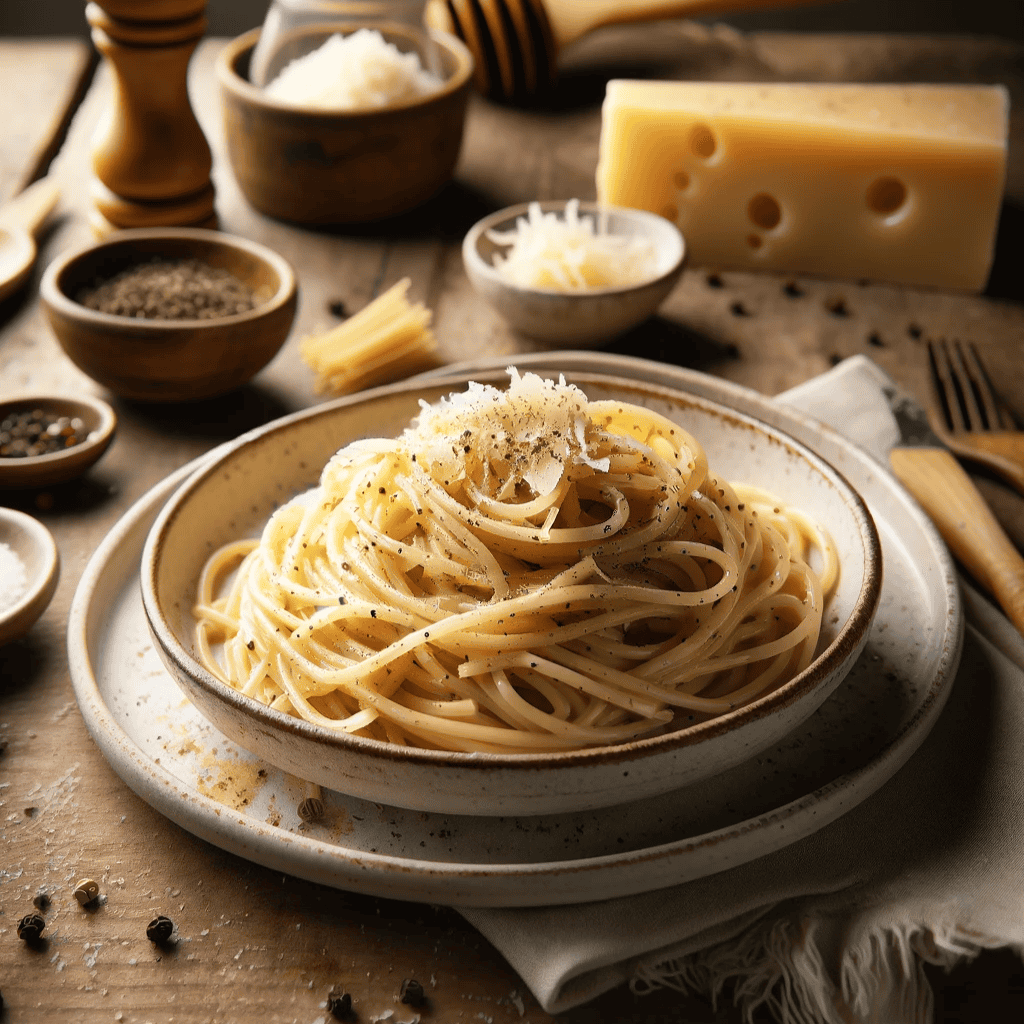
pixel 170 314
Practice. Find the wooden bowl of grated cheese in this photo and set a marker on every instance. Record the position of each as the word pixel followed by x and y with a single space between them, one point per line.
pixel 319 151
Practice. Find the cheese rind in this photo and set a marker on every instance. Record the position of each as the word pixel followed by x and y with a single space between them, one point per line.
pixel 890 183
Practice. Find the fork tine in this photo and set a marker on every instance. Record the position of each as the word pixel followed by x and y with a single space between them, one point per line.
pixel 974 411
pixel 997 416
pixel 942 375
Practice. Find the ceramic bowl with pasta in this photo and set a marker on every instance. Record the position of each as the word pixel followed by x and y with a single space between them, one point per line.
pixel 511 594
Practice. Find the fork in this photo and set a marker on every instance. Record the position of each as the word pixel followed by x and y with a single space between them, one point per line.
pixel 969 417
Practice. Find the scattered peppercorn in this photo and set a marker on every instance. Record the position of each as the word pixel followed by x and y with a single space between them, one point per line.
pixel 411 993
pixel 337 308
pixel 41 901
pixel 30 927
pixel 29 432
pixel 170 289
pixel 86 891
pixel 159 929
pixel 339 1005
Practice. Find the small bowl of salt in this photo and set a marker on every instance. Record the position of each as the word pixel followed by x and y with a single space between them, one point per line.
pixel 29 570
pixel 361 122
pixel 573 273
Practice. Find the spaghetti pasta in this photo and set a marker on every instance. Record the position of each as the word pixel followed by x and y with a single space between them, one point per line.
pixel 520 571
pixel 389 338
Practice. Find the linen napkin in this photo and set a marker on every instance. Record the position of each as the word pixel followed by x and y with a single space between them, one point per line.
pixel 835 928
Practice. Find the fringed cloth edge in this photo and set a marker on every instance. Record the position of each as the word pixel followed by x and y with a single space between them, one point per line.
pixel 781 967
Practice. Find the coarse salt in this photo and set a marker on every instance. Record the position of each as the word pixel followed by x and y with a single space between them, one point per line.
pixel 353 72
pixel 13 578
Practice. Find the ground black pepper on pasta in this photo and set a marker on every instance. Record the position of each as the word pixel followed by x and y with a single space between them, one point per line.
pixel 431 615
pixel 181 289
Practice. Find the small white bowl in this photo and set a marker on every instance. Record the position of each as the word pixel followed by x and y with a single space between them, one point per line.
pixel 232 496
pixel 579 319
pixel 33 545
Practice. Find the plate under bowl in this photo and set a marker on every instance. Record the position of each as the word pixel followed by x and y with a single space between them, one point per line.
pixel 233 495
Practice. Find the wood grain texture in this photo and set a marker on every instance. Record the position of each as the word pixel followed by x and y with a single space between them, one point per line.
pixel 945 491
pixel 253 945
pixel 42 82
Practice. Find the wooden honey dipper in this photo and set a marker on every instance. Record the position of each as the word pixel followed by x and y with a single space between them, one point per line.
pixel 516 43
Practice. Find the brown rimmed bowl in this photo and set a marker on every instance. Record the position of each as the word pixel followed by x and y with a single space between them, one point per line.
pixel 232 496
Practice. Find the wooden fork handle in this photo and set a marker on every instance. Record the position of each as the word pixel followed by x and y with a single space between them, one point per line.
pixel 1000 450
pixel 966 523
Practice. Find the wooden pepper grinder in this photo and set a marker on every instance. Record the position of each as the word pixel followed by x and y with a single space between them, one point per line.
pixel 150 158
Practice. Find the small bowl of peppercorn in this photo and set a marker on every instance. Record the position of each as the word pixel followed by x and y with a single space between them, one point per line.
pixel 47 439
pixel 170 314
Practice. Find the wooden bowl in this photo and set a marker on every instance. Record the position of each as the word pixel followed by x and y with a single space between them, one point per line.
pixel 98 424
pixel 318 167
pixel 33 546
pixel 580 319
pixel 170 360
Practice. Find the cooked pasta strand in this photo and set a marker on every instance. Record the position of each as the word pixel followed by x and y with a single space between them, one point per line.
pixel 518 571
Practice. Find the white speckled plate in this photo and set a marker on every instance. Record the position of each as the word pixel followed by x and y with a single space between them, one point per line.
pixel 176 761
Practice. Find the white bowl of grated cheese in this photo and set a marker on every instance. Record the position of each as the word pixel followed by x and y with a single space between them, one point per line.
pixel 573 273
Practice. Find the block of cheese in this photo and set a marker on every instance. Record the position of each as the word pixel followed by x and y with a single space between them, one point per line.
pixel 899 183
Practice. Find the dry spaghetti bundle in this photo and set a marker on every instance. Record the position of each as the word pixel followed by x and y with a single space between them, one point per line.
pixel 388 339
pixel 520 570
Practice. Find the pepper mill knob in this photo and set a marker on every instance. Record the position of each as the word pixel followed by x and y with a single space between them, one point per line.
pixel 150 159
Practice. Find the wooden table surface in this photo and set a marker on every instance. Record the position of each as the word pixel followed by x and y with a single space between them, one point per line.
pixel 257 945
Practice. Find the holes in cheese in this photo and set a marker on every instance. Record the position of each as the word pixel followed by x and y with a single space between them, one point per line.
pixel 702 142
pixel 898 183
pixel 886 196
pixel 764 211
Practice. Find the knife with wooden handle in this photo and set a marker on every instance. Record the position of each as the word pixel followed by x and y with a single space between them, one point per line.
pixel 932 474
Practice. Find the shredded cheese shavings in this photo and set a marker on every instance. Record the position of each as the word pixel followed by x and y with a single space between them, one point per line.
pixel 535 426
pixel 386 340
pixel 570 254
pixel 360 71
